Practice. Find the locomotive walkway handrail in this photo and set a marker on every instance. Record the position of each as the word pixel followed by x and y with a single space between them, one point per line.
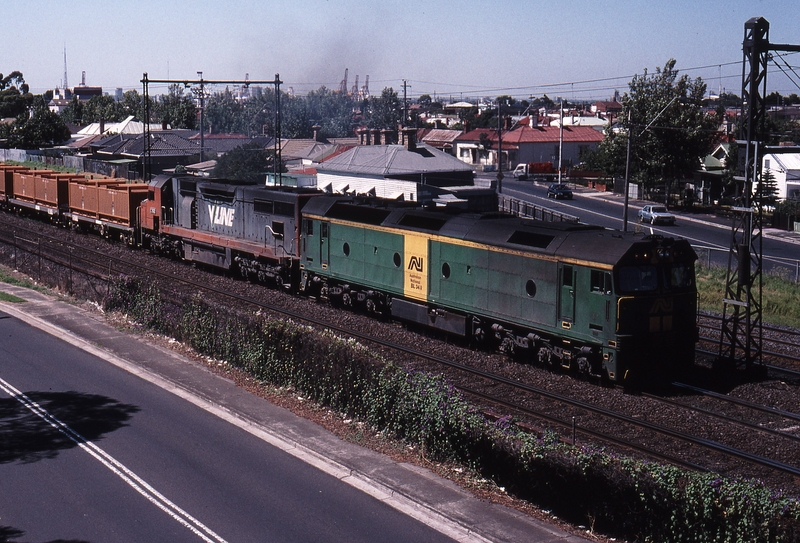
pixel 521 208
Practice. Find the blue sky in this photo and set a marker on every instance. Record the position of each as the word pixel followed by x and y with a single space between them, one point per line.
pixel 448 48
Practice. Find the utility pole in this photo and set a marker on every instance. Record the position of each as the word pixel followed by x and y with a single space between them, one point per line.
pixel 202 116
pixel 499 147
pixel 405 103
pixel 560 135
pixel 276 163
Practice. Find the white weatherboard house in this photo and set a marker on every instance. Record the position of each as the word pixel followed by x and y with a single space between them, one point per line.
pixel 410 172
pixel 785 169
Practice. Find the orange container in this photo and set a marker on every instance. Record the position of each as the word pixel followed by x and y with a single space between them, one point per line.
pixel 118 203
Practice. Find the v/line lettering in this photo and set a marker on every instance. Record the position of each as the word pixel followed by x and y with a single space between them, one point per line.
pixel 220 215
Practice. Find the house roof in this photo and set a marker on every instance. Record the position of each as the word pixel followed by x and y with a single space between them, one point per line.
pixel 475 134
pixel 537 134
pixel 161 144
pixel 388 160
pixel 608 106
pixel 127 126
pixel 438 135
pixel 552 134
pixel 786 161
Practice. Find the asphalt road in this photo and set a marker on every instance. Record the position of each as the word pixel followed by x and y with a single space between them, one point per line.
pixel 89 452
pixel 709 234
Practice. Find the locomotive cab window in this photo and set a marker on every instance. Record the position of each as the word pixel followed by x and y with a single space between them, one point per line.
pixel 277 229
pixel 308 227
pixel 638 278
pixel 680 276
pixel 601 282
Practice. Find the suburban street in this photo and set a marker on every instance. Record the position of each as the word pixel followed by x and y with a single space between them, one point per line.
pixel 710 235
pixel 90 452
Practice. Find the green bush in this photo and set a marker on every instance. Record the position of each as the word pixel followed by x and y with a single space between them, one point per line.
pixel 615 495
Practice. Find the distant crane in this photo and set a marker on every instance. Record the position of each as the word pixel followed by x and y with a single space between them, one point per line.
pixel 354 90
pixel 365 90
pixel 343 84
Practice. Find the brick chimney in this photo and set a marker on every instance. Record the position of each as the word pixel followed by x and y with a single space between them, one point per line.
pixel 410 138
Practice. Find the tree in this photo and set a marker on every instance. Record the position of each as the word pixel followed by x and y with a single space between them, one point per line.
pixel 133 104
pixel 96 109
pixel 176 109
pixel 43 129
pixel 14 96
pixel 766 191
pixel 383 111
pixel 224 114
pixel 332 111
pixel 247 163
pixel 669 129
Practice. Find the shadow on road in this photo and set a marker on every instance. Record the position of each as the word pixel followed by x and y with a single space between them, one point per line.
pixel 26 437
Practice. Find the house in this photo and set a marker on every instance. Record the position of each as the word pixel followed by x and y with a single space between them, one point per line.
pixel 611 108
pixel 785 169
pixel 474 147
pixel 527 144
pixel 167 150
pixel 408 172
pixel 439 138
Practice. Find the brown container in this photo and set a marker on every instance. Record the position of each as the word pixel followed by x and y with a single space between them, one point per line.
pixel 84 195
pixel 118 203
pixel 25 185
pixel 83 198
pixel 7 178
pixel 52 189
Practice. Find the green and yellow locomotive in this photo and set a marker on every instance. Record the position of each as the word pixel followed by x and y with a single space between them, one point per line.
pixel 592 300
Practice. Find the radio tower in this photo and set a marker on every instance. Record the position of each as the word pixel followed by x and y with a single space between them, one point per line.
pixel 65 69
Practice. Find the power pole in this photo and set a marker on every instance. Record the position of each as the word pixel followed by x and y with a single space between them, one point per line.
pixel 202 93
pixel 405 102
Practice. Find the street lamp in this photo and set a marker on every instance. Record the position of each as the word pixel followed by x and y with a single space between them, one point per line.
pixel 628 158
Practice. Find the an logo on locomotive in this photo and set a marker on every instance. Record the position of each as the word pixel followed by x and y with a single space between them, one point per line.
pixel 415 263
pixel 220 215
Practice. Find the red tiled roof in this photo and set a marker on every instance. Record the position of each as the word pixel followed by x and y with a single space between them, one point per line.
pixel 548 134
pixel 538 134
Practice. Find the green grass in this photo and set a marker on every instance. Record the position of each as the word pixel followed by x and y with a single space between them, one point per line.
pixel 34 165
pixel 5 297
pixel 780 297
pixel 6 277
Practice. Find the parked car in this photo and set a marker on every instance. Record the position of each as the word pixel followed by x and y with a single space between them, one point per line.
pixel 655 214
pixel 559 191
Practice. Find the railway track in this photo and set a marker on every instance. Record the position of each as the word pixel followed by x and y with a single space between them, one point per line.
pixel 535 406
pixel 779 347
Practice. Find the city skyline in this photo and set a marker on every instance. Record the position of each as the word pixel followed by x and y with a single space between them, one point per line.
pixel 454 50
